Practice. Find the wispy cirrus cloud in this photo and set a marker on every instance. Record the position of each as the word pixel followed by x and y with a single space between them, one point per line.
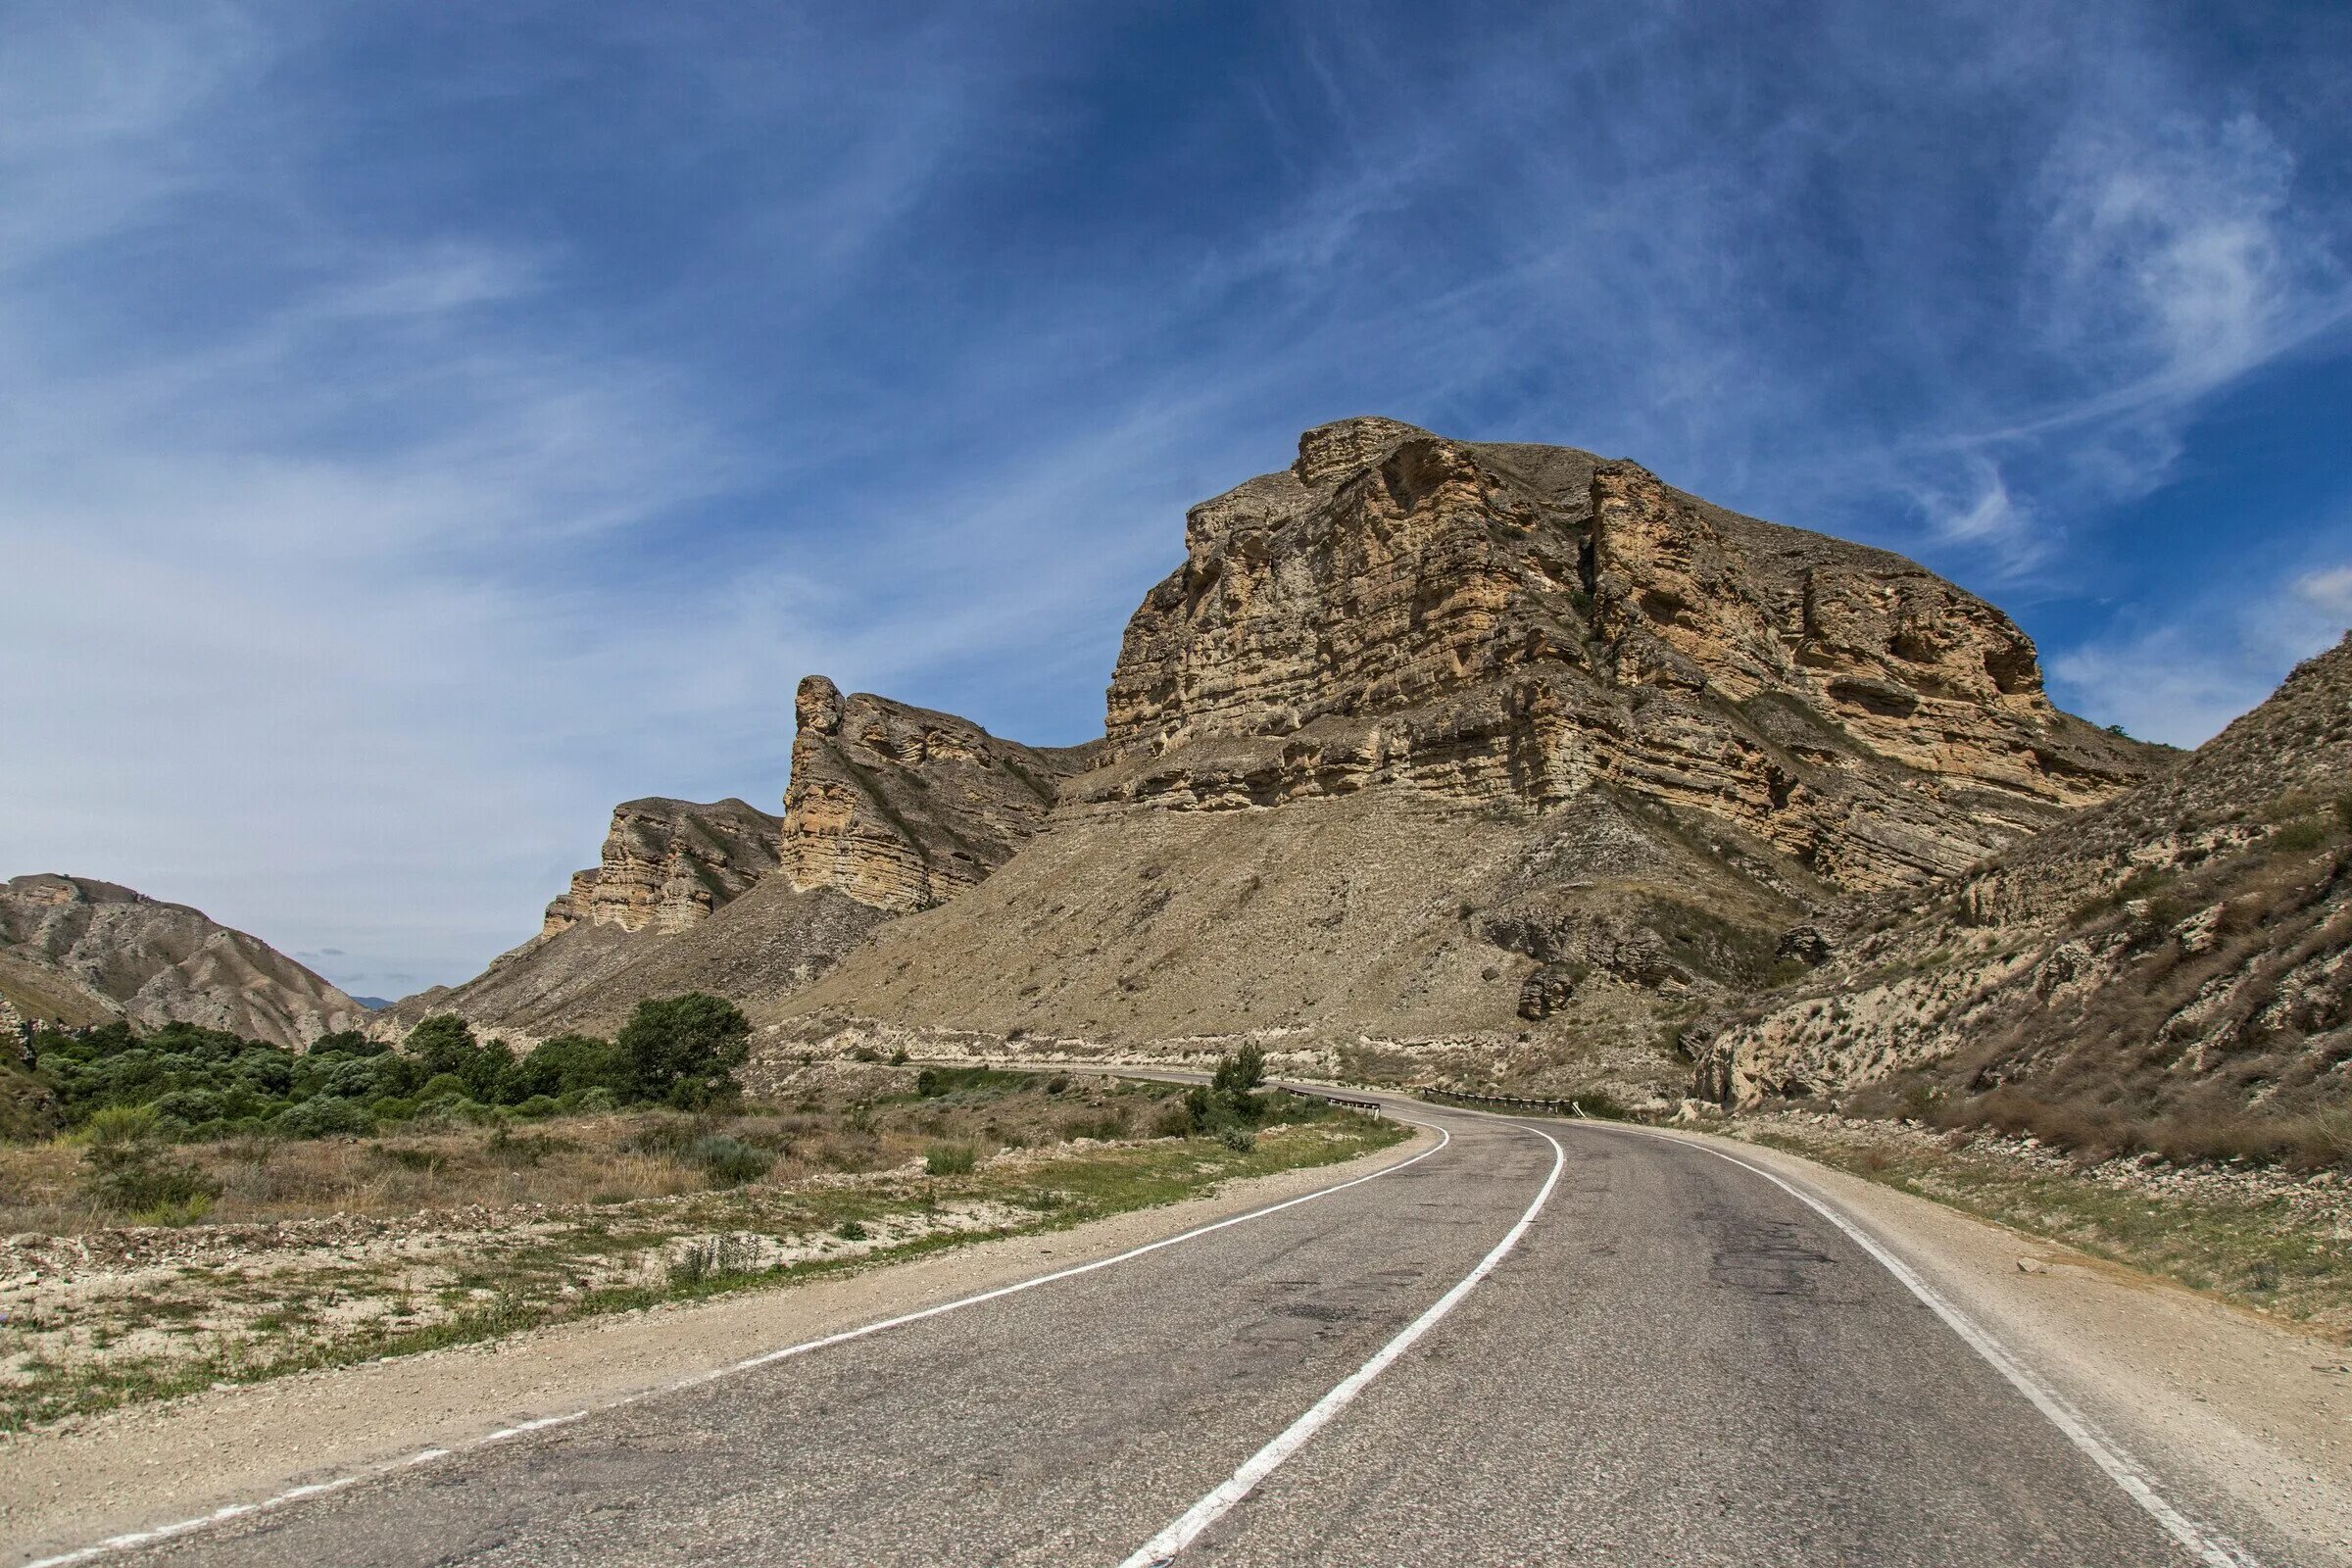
pixel 427 429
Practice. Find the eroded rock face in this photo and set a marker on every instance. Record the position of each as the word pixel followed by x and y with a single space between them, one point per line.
pixel 79 951
pixel 667 865
pixel 1518 623
pixel 890 809
pixel 901 808
pixel 2186 947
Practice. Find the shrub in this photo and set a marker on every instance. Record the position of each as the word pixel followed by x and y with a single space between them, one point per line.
pixel 1239 1139
pixel 684 1050
pixel 1109 1127
pixel 1238 1073
pixel 729 1161
pixel 712 1258
pixel 950 1160
pixel 538 1105
pixel 444 1045
pixel 322 1117
pixel 848 1230
pixel 115 1125
pixel 1173 1121
pixel 566 1064
pixel 2305 833
pixel 1598 1102
pixel 131 1176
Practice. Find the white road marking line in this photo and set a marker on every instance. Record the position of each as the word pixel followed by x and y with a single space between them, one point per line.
pixel 237 1510
pixel 2211 1549
pixel 1164 1546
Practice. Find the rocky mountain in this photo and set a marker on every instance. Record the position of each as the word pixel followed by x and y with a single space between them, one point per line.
pixel 1509 753
pixel 2182 951
pixel 901 808
pixel 667 865
pixel 74 952
pixel 890 809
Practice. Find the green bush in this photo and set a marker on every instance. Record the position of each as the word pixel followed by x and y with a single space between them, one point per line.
pixel 538 1105
pixel 1240 1138
pixel 125 1172
pixel 1238 1073
pixel 729 1161
pixel 115 1125
pixel 322 1117
pixel 684 1050
pixel 950 1160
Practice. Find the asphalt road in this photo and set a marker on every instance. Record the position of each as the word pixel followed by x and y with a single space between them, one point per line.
pixel 1678 1363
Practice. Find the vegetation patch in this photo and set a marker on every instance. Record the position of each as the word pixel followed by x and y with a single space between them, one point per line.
pixel 384 1245
pixel 2252 1238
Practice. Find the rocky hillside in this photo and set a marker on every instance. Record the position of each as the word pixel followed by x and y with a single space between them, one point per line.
pixel 1510 753
pixel 667 865
pixel 74 951
pixel 901 808
pixel 890 809
pixel 2183 952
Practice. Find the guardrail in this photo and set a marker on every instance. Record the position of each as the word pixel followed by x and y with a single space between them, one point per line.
pixel 1352 1102
pixel 1557 1108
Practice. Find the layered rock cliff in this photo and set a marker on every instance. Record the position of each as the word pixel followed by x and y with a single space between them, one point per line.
pixel 74 950
pixel 901 808
pixel 2184 950
pixel 1520 624
pixel 889 809
pixel 1500 746
pixel 667 865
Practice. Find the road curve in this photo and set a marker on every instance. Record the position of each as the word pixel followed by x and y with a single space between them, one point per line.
pixel 1676 1362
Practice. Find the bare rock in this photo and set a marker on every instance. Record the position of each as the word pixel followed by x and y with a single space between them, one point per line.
pixel 2185 948
pixel 667 865
pixel 901 808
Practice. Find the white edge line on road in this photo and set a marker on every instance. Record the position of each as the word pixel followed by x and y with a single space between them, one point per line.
pixel 1164 1546
pixel 2120 1468
pixel 238 1510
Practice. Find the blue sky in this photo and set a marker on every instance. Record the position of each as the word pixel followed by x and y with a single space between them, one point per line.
pixel 424 427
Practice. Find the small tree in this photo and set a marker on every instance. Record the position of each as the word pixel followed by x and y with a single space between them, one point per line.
pixel 684 1050
pixel 1240 1073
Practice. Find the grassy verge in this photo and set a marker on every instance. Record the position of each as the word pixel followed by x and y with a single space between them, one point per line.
pixel 167 1332
pixel 2249 1242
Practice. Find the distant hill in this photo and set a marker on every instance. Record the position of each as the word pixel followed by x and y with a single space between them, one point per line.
pixel 74 950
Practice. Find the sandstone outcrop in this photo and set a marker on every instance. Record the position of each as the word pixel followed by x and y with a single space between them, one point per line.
pixel 2186 949
pixel 901 808
pixel 1434 741
pixel 74 952
pixel 890 809
pixel 667 865
pixel 1520 624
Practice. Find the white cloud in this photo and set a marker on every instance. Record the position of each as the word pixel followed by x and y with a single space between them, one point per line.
pixel 2217 656
pixel 2328 589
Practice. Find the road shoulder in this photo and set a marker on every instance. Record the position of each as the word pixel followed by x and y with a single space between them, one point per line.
pixel 2248 1420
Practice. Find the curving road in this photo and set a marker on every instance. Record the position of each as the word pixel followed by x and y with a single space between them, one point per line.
pixel 1670 1360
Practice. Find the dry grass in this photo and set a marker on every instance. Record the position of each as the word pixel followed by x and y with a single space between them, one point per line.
pixel 97 1322
pixel 865 1119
